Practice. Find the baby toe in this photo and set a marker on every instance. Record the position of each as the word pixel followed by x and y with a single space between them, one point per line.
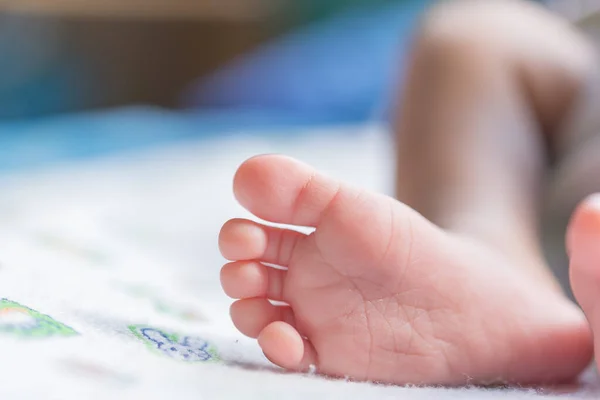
pixel 248 279
pixel 251 316
pixel 241 239
pixel 282 344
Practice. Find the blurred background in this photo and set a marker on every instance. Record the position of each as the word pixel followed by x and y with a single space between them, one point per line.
pixel 71 70
pixel 62 56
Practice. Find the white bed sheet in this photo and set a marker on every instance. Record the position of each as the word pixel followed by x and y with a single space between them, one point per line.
pixel 102 260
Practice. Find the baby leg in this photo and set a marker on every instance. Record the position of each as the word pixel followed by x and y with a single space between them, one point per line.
pixel 488 92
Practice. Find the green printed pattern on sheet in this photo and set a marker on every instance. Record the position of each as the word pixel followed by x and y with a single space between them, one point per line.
pixel 21 321
pixel 175 346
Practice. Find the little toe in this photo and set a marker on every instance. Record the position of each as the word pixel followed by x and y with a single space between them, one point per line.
pixel 283 345
pixel 251 316
pixel 248 279
pixel 242 239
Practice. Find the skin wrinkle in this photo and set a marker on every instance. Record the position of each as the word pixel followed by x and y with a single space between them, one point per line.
pixel 324 214
pixel 350 316
pixel 340 275
pixel 304 190
pixel 413 329
pixel 409 261
pixel 364 302
pixel 294 239
pixel 388 247
pixel 383 315
pixel 411 336
pixel 279 244
pixel 294 247
pixel 278 292
pixel 358 332
pixel 336 194
pixel 409 321
pixel 326 286
pixel 380 287
pixel 369 335
pixel 300 196
pixel 443 345
pixel 392 330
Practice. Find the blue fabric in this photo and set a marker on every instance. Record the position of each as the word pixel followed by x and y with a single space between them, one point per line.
pixel 35 143
pixel 341 68
pixel 329 73
pixel 36 77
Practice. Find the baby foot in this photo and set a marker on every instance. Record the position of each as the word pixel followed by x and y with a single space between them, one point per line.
pixel 583 244
pixel 378 293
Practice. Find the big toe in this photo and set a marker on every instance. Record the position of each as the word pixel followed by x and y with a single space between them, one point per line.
pixel 583 244
pixel 282 190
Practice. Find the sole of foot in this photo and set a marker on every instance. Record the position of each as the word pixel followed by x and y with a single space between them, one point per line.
pixel 378 293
